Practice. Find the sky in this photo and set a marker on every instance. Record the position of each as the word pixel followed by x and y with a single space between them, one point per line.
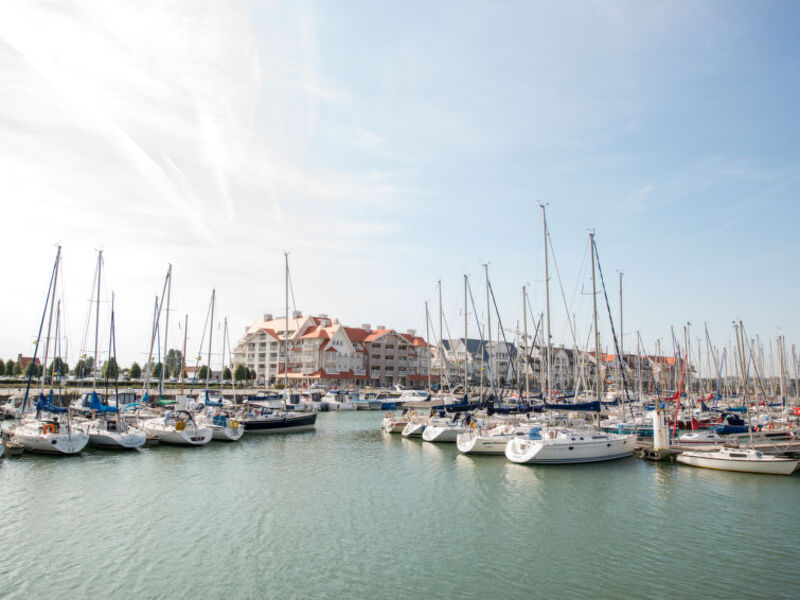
pixel 386 146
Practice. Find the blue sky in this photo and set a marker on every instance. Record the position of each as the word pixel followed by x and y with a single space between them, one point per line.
pixel 385 145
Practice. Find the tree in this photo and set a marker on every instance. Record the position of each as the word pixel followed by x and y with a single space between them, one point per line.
pixel 157 371
pixel 10 367
pixel 226 374
pixel 34 369
pixel 84 367
pixel 135 371
pixel 57 367
pixel 202 372
pixel 240 373
pixel 2 368
pixel 173 361
pixel 110 369
pixel 17 368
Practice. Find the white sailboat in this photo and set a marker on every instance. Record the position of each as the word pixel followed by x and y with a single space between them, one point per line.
pixel 45 431
pixel 177 428
pixel 488 441
pixel 742 460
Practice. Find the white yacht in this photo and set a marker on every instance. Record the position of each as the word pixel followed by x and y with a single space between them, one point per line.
pixel 177 427
pixel 742 460
pixel 444 431
pixel 50 436
pixel 489 441
pixel 394 423
pixel 224 426
pixel 114 433
pixel 563 445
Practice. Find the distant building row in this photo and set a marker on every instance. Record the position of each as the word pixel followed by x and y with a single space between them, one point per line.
pixel 322 349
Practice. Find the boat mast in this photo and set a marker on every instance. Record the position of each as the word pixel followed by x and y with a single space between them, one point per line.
pixel 740 340
pixel 286 328
pixel 488 325
pixel 428 341
pixel 794 369
pixel 548 354
pixel 97 319
pixel 598 382
pixel 621 336
pixel 210 335
pixel 183 354
pixel 441 341
pixel 166 320
pixel 466 331
pixel 525 342
pixel 51 296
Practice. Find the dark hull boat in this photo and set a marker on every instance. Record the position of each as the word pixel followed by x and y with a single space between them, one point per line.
pixel 279 422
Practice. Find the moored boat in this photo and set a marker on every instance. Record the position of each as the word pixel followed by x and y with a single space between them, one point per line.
pixel 741 460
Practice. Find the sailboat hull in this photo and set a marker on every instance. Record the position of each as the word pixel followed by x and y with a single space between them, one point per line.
pixel 596 448
pixel 707 460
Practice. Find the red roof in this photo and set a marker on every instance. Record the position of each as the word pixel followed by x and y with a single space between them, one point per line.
pixel 316 332
pixel 374 335
pixel 356 334
pixel 271 332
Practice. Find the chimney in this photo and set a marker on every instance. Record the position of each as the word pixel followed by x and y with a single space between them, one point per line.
pixel 323 316
pixel 296 314
pixel 411 332
pixel 381 326
pixel 267 317
pixel 366 326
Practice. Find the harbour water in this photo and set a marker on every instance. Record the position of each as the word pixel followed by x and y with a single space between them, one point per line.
pixel 347 511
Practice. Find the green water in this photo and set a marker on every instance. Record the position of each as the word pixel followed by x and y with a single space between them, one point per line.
pixel 350 512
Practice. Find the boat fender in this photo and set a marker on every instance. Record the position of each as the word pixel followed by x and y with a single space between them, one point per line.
pixel 234 424
pixel 49 428
pixel 771 426
pixel 180 425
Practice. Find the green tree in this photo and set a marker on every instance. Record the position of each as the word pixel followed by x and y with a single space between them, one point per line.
pixel 58 366
pixel 157 371
pixel 17 368
pixel 135 371
pixel 10 367
pixel 84 367
pixel 2 368
pixel 110 369
pixel 173 361
pixel 202 372
pixel 240 373
pixel 34 369
pixel 226 374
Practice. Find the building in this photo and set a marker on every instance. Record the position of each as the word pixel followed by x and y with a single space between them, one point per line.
pixel 323 350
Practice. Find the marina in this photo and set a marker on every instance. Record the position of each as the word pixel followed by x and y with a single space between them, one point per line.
pixel 348 510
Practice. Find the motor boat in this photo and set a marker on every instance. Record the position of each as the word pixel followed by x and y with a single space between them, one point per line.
pixel 259 419
pixel 741 460
pixel 703 436
pixel 177 427
pixel 394 423
pixel 565 445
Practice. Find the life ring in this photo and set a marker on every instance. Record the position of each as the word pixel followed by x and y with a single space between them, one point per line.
pixel 234 424
pixel 180 425
pixel 473 425
pixel 49 428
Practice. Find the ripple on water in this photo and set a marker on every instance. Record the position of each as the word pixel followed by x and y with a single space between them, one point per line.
pixel 348 511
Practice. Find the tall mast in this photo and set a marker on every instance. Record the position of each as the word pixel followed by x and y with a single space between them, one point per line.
pixel 51 296
pixel 621 336
pixel 183 354
pixel 286 328
pixel 97 318
pixel 548 353
pixel 598 358
pixel 488 325
pixel 166 319
pixel 466 331
pixel 210 335
pixel 441 340
pixel 428 341
pixel 794 370
pixel 740 340
pixel 525 343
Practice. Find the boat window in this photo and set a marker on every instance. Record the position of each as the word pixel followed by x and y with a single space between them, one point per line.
pixel 737 455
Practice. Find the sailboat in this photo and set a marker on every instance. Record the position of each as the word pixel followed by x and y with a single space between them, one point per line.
pixel 224 426
pixel 45 431
pixel 261 417
pixel 567 445
pixel 742 460
pixel 108 429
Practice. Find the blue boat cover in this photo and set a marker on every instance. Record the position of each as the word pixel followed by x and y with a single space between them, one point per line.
pixel 46 404
pixel 96 405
